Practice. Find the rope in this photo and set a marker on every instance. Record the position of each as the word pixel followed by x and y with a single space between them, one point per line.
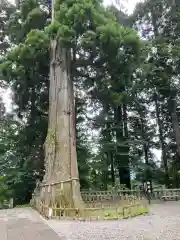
pixel 59 182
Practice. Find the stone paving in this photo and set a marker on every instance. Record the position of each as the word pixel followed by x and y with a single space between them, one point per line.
pixel 24 224
pixel 162 223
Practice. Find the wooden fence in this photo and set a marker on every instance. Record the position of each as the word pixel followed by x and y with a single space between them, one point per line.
pixel 6 203
pixel 158 193
pixel 93 196
pixel 104 204
pixel 95 213
pixel 96 196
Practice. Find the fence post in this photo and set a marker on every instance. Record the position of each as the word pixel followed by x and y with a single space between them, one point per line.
pixel 11 203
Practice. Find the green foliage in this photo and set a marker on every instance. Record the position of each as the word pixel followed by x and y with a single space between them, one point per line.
pixel 52 29
pixel 4 191
pixel 125 81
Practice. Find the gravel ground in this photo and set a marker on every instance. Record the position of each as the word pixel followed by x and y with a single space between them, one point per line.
pixel 163 223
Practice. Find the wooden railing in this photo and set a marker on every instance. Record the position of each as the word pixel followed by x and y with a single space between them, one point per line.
pixel 95 213
pixel 158 193
pixel 93 196
pixel 121 204
pixel 6 203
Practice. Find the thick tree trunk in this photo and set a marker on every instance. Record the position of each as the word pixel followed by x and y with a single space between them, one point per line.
pixel 126 137
pixel 145 146
pixel 145 140
pixel 175 122
pixel 110 154
pixel 122 156
pixel 111 157
pixel 105 171
pixel 61 180
pixel 161 138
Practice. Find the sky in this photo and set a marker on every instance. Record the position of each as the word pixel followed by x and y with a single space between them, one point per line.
pixel 130 4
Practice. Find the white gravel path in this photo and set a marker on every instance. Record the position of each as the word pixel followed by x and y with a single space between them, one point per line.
pixel 162 223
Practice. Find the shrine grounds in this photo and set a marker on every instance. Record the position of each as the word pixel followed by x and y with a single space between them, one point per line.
pixel 161 223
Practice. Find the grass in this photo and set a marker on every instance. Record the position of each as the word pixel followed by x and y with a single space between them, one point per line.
pixel 22 206
pixel 102 211
pixel 114 213
pixel 116 210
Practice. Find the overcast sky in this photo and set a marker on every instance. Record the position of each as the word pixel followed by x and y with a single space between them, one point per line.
pixel 129 3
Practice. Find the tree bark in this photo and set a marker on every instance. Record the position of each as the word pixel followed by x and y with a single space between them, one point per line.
pixel 122 152
pixel 145 143
pixel 161 138
pixel 110 154
pixel 126 137
pixel 175 122
pixel 145 140
pixel 111 157
pixel 61 180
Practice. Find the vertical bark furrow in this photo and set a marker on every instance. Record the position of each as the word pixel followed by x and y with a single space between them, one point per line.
pixel 60 148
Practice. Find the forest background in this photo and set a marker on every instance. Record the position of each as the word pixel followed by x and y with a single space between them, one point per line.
pixel 126 93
